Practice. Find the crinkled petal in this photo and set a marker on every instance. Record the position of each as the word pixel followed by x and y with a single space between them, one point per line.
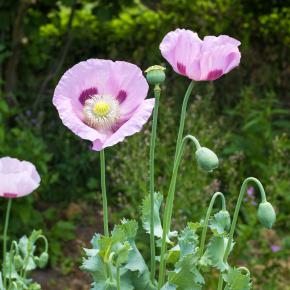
pixel 132 126
pixel 213 41
pixel 181 48
pixel 17 178
pixel 127 83
pixel 218 61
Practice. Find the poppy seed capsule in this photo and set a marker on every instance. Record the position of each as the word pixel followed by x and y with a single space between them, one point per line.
pixel 206 159
pixel 266 214
pixel 155 75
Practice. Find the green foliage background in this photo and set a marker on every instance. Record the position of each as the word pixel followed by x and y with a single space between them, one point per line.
pixel 244 116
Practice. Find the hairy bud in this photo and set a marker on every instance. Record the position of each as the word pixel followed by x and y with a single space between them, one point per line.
pixel 266 214
pixel 206 159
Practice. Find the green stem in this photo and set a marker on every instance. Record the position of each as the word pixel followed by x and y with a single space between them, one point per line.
pixel 170 197
pixel 109 268
pixel 13 246
pixel 237 210
pixel 45 242
pixel 104 194
pixel 118 279
pixel 157 91
pixel 26 259
pixel 220 285
pixel 5 237
pixel 208 213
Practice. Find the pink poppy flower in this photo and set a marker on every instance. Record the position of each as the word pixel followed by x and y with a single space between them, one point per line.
pixel 103 101
pixel 17 178
pixel 200 60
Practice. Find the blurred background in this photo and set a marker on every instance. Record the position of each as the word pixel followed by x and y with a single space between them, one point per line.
pixel 244 117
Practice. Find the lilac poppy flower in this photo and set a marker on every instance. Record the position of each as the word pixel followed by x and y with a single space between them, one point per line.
pixel 103 101
pixel 200 60
pixel 17 178
pixel 251 191
pixel 275 248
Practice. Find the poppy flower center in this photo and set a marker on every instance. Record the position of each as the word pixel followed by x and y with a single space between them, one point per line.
pixel 101 111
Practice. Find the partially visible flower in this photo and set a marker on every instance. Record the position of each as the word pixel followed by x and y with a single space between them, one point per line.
pixel 251 191
pixel 103 101
pixel 275 248
pixel 200 60
pixel 17 178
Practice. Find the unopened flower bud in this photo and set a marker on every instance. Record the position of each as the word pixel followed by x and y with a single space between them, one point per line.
pixel 206 159
pixel 266 214
pixel 155 74
pixel 42 261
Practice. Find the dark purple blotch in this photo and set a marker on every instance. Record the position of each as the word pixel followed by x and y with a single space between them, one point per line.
pixel 87 94
pixel 121 97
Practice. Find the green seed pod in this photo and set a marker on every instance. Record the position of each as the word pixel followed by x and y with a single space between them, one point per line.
pixel 206 159
pixel 42 261
pixel 155 74
pixel 266 214
pixel 18 262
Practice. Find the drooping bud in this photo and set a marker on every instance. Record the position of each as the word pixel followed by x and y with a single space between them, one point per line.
pixel 42 261
pixel 155 74
pixel 206 159
pixel 266 214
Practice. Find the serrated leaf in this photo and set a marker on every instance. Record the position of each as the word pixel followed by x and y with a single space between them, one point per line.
pixel 214 253
pixel 146 213
pixel 168 286
pixel 236 280
pixel 188 242
pixel 186 276
pixel 221 222
pixel 173 255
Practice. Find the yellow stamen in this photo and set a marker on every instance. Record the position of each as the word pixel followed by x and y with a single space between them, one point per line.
pixel 101 109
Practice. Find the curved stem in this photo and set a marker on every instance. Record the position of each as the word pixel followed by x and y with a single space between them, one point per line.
pixel 104 193
pixel 45 242
pixel 157 91
pixel 237 210
pixel 5 237
pixel 238 206
pixel 208 213
pixel 170 197
pixel 245 269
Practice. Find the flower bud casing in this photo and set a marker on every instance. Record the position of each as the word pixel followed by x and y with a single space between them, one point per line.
pixel 155 75
pixel 43 259
pixel 266 214
pixel 206 159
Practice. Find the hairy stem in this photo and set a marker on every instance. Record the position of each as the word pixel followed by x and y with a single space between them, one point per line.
pixel 104 193
pixel 170 197
pixel 157 91
pixel 7 217
pixel 208 213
